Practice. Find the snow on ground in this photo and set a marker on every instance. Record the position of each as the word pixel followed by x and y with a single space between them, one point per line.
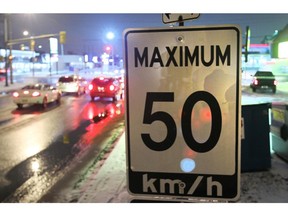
pixel 106 183
pixel 266 187
pixel 103 183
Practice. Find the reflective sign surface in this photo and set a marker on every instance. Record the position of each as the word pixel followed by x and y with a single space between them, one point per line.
pixel 182 117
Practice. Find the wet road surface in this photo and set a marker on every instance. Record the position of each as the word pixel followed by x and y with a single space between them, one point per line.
pixel 38 146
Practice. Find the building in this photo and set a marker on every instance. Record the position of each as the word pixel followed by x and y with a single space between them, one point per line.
pixel 279 45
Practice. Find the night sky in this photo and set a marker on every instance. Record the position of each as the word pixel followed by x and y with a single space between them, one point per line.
pixel 86 33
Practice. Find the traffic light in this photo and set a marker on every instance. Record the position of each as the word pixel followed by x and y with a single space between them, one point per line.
pixel 62 37
pixel 108 49
pixel 32 45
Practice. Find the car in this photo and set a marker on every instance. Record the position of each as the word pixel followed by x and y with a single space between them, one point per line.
pixel 40 93
pixel 72 84
pixel 105 87
pixel 3 71
pixel 264 80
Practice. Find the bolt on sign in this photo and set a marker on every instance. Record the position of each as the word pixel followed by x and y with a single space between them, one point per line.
pixel 183 111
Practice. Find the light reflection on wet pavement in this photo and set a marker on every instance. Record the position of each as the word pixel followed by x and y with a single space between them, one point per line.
pixel 35 175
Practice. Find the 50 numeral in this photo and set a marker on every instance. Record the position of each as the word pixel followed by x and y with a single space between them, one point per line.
pixel 186 124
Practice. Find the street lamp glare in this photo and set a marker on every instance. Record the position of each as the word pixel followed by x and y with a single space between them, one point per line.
pixel 25 33
pixel 110 35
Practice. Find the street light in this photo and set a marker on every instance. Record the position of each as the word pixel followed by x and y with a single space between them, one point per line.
pixel 25 33
pixel 32 48
pixel 110 35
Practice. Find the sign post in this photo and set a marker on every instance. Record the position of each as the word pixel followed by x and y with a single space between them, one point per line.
pixel 183 112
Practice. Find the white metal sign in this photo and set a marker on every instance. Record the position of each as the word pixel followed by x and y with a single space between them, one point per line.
pixel 183 111
pixel 53 45
pixel 171 17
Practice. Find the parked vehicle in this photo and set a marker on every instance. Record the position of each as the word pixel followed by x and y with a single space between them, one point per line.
pixel 72 84
pixel 40 93
pixel 105 87
pixel 264 80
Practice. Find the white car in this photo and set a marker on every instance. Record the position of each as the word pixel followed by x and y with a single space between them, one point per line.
pixel 40 93
pixel 72 84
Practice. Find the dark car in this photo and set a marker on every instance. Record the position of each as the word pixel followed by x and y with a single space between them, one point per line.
pixel 105 87
pixel 264 80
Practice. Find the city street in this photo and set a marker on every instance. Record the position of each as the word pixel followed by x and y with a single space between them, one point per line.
pixel 84 177
pixel 131 108
pixel 39 146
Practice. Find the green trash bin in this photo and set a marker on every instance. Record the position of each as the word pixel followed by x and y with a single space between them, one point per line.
pixel 279 129
pixel 255 142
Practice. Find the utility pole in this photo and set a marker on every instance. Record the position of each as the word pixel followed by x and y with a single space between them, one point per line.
pixel 10 42
pixel 10 64
pixel 6 39
pixel 247 40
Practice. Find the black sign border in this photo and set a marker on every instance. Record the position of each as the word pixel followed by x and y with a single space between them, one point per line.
pixel 134 179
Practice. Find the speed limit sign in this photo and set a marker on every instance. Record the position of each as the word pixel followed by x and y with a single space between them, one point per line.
pixel 183 111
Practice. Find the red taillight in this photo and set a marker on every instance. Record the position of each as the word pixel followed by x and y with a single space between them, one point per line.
pixel 90 87
pixel 255 82
pixel 112 87
pixel 275 82
pixel 15 94
pixel 36 94
pixel 205 114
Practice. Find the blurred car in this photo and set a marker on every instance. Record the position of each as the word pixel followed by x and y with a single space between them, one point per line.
pixel 3 71
pixel 264 80
pixel 72 84
pixel 105 87
pixel 40 93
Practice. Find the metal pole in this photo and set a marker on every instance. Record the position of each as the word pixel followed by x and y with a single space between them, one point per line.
pixel 10 64
pixel 6 39
pixel 8 58
pixel 21 40
pixel 62 49
pixel 33 62
pixel 112 57
pixel 180 20
pixel 50 69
